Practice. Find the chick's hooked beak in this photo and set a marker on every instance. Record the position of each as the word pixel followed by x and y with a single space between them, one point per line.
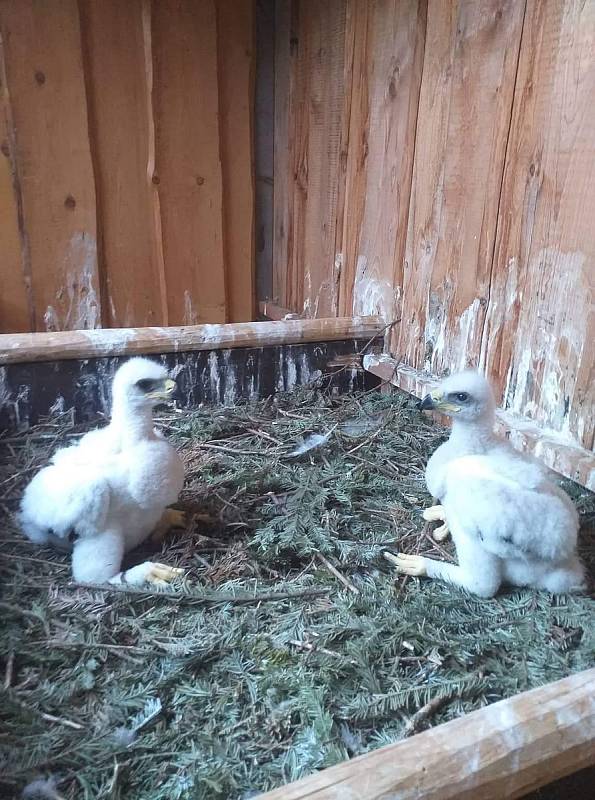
pixel 426 403
pixel 165 391
pixel 435 401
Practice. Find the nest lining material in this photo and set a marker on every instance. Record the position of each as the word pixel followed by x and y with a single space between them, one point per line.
pixel 290 645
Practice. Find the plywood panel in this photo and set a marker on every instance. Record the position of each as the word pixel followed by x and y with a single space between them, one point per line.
pixel 387 66
pixel 236 57
pixel 116 79
pixel 16 311
pixel 470 63
pixel 187 165
pixel 541 322
pixel 45 80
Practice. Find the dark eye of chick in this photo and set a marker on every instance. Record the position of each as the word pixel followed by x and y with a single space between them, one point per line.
pixel 145 385
pixel 462 397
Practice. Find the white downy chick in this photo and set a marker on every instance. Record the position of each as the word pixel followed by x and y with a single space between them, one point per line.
pixel 109 492
pixel 510 523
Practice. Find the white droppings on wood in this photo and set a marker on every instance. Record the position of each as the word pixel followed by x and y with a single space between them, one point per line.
pixel 214 377
pixel 51 320
pixel 511 282
pixel 548 336
pixel 291 371
pixel 190 314
pixel 307 307
pixel 5 393
pixel 114 338
pixel 230 391
pixel 80 268
pixel 58 406
pixel 310 307
pixel 308 376
pixel 112 305
pixel 77 306
pixel 434 332
pixel 466 336
pixel 280 382
pixel 210 332
pixel 372 295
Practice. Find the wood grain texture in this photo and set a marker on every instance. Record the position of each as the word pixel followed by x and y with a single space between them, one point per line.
pixel 264 146
pixel 283 147
pixel 321 50
pixel 551 448
pixel 45 79
pixel 388 56
pixel 116 79
pixel 506 750
pixel 236 67
pixel 470 63
pixel 16 309
pixel 310 108
pixel 540 329
pixel 32 347
pixel 187 161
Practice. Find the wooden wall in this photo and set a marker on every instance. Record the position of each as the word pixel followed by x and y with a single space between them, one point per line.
pixel 126 180
pixel 435 163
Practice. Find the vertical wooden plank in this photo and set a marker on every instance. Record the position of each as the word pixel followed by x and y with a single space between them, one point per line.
pixel 45 80
pixel 322 50
pixel 283 149
pixel 16 311
pixel 297 145
pixel 356 17
pixel 264 147
pixel 188 168
pixel 309 114
pixel 116 80
pixel 236 60
pixel 387 66
pixel 540 329
pixel 470 63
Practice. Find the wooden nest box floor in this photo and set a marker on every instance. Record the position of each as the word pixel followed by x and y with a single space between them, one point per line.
pixel 291 649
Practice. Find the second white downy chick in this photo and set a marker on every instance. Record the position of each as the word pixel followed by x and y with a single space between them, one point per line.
pixel 510 523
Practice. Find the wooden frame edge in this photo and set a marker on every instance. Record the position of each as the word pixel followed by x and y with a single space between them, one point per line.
pixel 553 449
pixel 506 749
pixel 104 342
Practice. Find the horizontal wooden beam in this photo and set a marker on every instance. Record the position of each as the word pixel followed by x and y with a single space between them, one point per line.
pixel 27 347
pixel 556 451
pixel 506 749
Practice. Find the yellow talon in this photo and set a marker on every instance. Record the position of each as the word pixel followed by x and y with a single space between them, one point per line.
pixel 171 518
pixel 434 513
pixel 161 574
pixel 174 518
pixel 441 533
pixel 408 564
pixel 437 514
